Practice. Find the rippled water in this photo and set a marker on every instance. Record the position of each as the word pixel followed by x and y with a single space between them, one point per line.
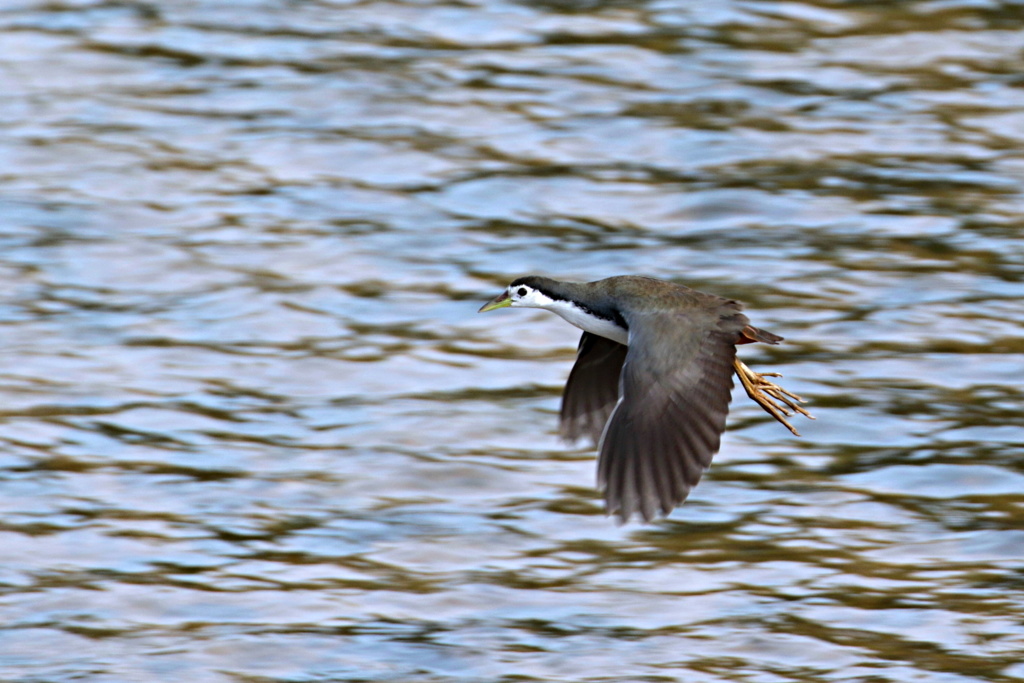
pixel 253 429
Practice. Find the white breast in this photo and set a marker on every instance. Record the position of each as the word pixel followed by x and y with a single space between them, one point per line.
pixel 587 322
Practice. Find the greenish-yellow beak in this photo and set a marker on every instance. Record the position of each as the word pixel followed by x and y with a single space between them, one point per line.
pixel 500 301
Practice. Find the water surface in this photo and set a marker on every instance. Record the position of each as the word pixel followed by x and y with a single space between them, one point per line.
pixel 254 431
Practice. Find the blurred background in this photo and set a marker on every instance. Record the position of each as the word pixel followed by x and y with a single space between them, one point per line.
pixel 253 429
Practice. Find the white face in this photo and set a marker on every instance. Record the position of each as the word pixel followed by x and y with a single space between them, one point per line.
pixel 524 296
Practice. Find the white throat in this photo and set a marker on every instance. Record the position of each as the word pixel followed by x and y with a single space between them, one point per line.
pixel 587 322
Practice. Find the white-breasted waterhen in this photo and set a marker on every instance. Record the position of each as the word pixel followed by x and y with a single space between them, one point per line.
pixel 652 381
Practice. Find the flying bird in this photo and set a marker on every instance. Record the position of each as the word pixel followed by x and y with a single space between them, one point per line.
pixel 652 381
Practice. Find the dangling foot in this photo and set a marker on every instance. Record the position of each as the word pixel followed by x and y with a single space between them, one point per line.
pixel 775 400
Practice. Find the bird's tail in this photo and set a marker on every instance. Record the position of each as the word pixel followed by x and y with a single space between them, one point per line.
pixel 756 334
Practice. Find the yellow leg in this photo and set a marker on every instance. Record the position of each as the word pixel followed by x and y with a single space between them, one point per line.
pixel 775 400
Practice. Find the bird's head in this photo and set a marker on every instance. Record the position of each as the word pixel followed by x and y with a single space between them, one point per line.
pixel 525 292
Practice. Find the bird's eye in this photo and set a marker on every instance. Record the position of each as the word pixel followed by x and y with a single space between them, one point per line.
pixel 522 291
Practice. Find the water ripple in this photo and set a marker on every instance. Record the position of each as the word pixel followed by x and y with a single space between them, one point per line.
pixel 253 430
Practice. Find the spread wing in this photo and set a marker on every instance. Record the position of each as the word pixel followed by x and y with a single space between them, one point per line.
pixel 675 390
pixel 593 387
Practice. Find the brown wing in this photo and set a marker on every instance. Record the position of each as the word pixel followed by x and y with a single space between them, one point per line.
pixel 593 387
pixel 676 388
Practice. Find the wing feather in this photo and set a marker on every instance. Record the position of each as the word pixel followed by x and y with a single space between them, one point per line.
pixel 667 424
pixel 592 389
